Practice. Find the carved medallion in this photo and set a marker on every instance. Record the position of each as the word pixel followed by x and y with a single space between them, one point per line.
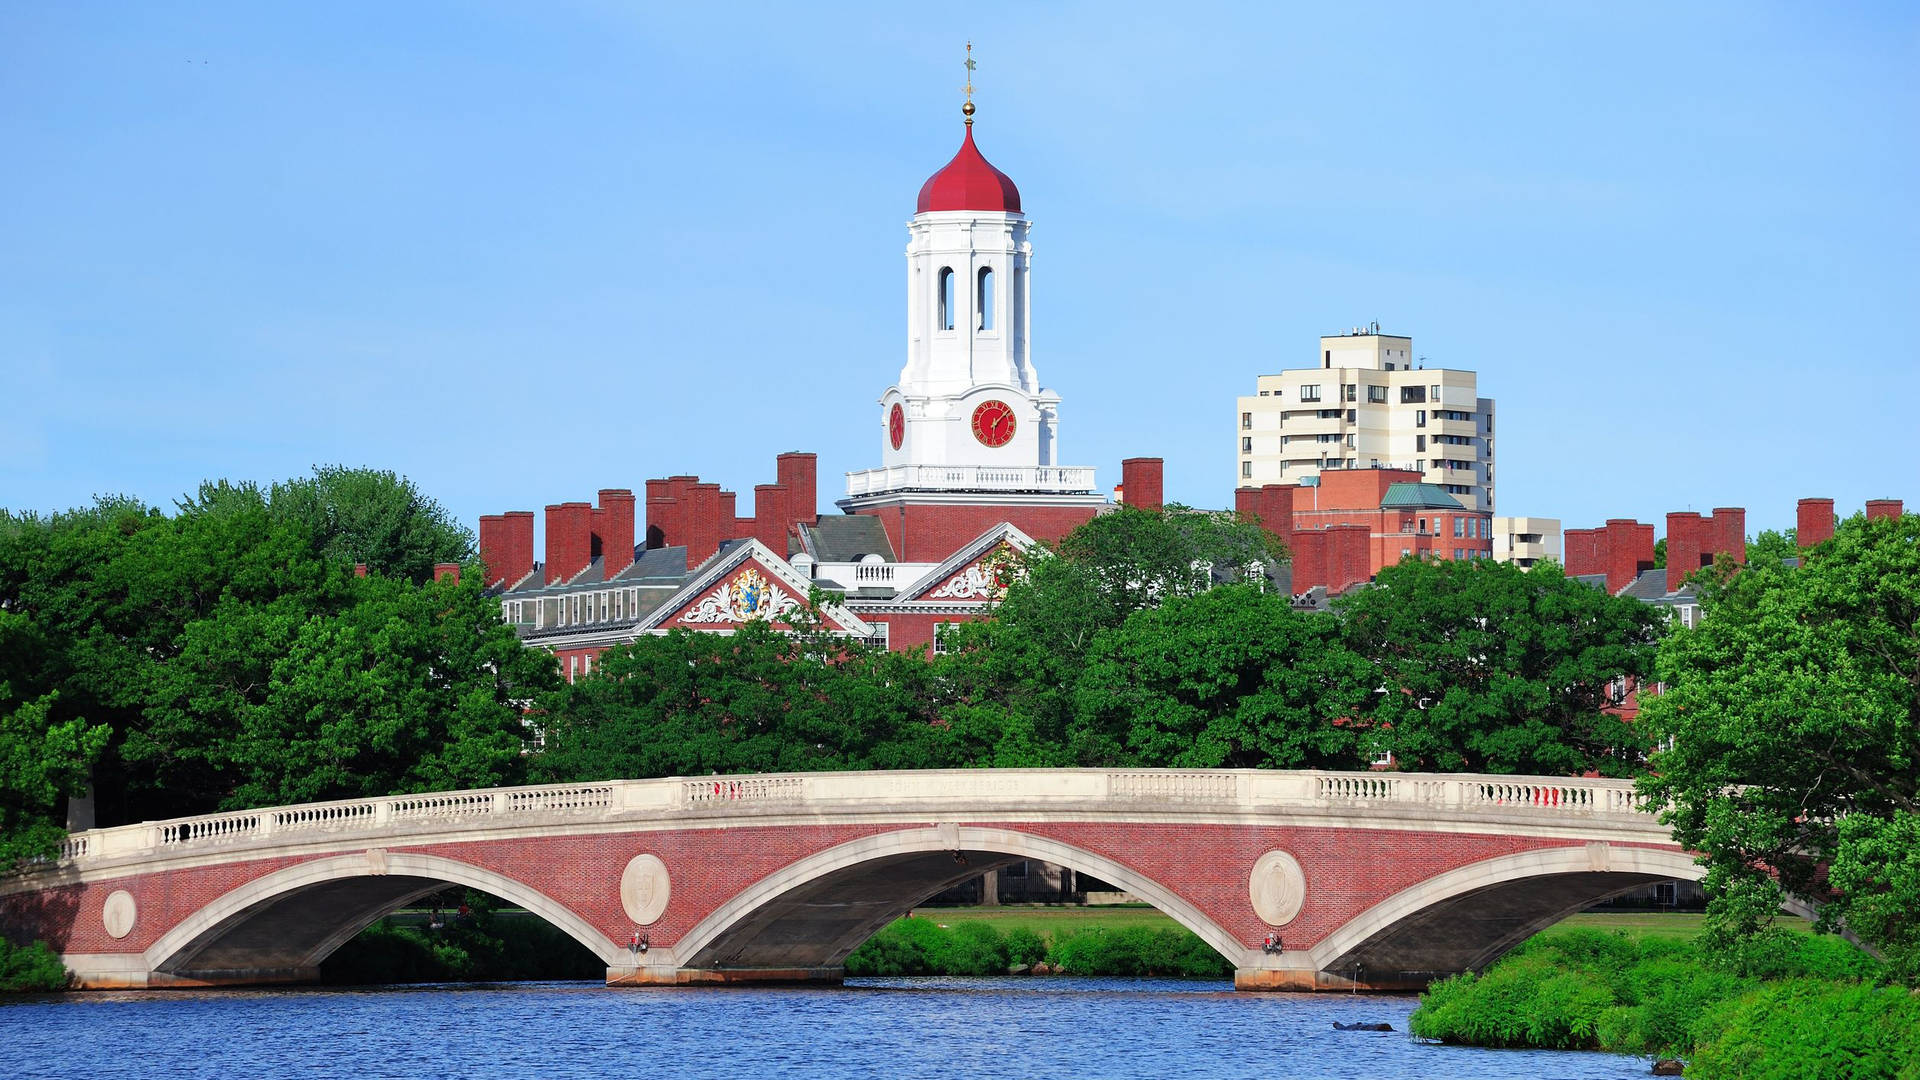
pixel 119 914
pixel 1277 888
pixel 644 889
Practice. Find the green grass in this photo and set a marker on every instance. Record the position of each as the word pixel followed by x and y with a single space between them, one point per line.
pixel 1668 925
pixel 1051 922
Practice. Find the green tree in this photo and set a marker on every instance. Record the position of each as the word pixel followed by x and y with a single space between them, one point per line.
pixel 1486 667
pixel 1792 711
pixel 41 760
pixel 1233 678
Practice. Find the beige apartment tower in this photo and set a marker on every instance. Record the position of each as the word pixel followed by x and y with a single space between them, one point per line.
pixel 1369 403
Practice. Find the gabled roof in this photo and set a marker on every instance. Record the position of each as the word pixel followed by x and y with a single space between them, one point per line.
pixel 1406 496
pixel 969 553
pixel 710 593
pixel 1647 585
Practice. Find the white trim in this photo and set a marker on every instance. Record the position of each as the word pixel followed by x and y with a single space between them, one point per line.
pixel 972 550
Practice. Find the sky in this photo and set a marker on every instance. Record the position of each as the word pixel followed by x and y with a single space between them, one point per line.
pixel 520 252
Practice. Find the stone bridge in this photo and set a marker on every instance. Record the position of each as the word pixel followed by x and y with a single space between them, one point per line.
pixel 1304 880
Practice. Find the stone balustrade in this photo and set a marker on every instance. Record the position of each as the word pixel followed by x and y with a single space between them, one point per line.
pixel 979 794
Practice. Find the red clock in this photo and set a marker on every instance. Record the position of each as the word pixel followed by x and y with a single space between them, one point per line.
pixel 897 426
pixel 993 423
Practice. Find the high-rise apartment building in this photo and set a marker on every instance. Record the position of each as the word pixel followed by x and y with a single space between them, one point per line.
pixel 1370 403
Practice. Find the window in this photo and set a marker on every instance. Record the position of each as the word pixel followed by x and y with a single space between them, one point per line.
pixel 1246 470
pixel 1419 418
pixel 1376 395
pixel 1328 414
pixel 940 638
pixel 1436 393
pixel 1327 359
pixel 1459 528
pixel 1350 442
pixel 1352 415
pixel 1347 392
pixel 1246 444
pixel 946 298
pixel 1326 437
pixel 1412 394
pixel 983 298
pixel 1420 443
pixel 880 635
pixel 1246 421
pixel 1617 689
pixel 1420 466
pixel 1423 524
pixel 1310 392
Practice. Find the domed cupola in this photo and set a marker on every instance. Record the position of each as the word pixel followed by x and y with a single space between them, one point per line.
pixel 969 182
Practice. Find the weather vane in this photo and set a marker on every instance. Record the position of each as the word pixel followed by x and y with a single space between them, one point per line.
pixel 967 109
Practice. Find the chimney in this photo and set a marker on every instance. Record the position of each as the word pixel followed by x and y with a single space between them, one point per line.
pixel 1687 546
pixel 703 522
pixel 1141 481
pixel 660 510
pixel 730 516
pixel 493 548
pixel 1815 526
pixel 569 540
pixel 359 569
pixel 616 525
pixel 1882 508
pixel 1309 560
pixel 1586 552
pixel 798 473
pixel 447 571
pixel 1628 549
pixel 770 516
pixel 1729 534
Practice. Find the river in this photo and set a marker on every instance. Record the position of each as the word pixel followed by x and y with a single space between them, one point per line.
pixel 978 1029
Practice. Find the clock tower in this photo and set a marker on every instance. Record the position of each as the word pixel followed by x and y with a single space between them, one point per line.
pixel 968 426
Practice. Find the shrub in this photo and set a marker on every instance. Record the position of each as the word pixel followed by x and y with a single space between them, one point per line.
pixel 1025 947
pixel 33 968
pixel 1808 1029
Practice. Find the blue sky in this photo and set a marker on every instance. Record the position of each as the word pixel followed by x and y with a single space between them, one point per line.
pixel 520 252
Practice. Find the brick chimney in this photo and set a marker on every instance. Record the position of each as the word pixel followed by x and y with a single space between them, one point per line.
pixel 1729 534
pixel 703 522
pixel 1141 481
pixel 493 548
pixel 797 472
pixel 569 540
pixel 770 516
pixel 1815 525
pixel 660 508
pixel 1881 508
pixel 1586 551
pixel 1628 549
pixel 730 516
pixel 1309 560
pixel 616 529
pixel 447 571
pixel 1687 546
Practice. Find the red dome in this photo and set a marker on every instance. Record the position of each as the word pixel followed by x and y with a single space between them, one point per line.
pixel 969 183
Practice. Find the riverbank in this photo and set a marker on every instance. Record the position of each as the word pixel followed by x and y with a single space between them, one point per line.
pixel 1120 940
pixel 1792 1006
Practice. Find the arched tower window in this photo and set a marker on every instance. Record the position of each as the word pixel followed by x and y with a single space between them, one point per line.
pixel 983 298
pixel 946 298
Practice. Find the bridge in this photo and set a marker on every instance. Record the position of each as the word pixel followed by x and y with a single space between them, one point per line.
pixel 1304 880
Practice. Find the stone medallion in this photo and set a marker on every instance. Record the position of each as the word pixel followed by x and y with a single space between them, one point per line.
pixel 1277 888
pixel 118 914
pixel 643 889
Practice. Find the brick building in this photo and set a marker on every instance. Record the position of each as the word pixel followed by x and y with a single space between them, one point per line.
pixel 1344 526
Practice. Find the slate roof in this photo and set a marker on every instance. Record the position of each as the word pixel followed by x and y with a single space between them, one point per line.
pixel 1406 496
pixel 1649 585
pixel 847 537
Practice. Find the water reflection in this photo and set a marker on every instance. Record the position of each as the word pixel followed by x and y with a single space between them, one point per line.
pixel 879 1028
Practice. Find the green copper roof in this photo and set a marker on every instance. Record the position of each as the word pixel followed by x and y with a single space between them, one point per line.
pixel 1418 497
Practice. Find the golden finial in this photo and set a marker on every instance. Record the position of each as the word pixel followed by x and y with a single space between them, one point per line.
pixel 967 109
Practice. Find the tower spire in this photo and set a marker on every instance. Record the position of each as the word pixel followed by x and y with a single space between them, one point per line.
pixel 967 109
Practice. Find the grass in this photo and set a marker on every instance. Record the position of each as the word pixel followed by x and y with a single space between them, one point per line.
pixel 1049 922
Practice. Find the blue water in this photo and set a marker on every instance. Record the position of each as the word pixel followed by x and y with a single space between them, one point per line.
pixel 979 1029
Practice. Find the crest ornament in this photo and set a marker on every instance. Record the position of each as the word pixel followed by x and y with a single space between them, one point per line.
pixel 747 597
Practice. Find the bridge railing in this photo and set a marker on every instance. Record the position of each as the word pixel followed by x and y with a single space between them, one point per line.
pixel 977 793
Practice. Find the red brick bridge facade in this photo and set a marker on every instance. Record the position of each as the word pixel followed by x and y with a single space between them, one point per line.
pixel 1305 880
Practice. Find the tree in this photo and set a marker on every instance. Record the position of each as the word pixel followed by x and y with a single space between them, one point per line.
pixel 42 760
pixel 1016 672
pixel 1486 667
pixel 1230 678
pixel 1792 713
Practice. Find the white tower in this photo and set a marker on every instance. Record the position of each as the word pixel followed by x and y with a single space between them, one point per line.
pixel 968 412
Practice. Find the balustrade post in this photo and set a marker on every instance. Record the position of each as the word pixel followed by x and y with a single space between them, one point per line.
pixel 1456 794
pixel 264 827
pixel 499 802
pixel 383 812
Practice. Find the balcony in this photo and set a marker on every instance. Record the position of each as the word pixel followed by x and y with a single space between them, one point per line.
pixel 1046 479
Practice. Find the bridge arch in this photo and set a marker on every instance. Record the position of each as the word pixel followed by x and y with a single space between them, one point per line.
pixel 755 928
pixel 285 923
pixel 1466 918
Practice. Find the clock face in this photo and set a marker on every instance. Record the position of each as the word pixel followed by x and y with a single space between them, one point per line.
pixel 993 423
pixel 897 426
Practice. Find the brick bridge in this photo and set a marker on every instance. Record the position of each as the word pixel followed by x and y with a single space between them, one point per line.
pixel 1378 880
